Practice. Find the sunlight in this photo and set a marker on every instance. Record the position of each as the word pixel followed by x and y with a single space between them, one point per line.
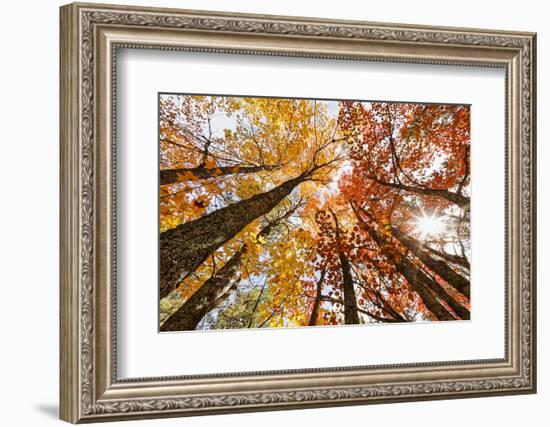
pixel 429 225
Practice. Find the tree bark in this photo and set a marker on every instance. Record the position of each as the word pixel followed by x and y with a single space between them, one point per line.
pixel 460 283
pixel 208 297
pixel 187 246
pixel 423 283
pixel 188 316
pixel 351 315
pixel 424 286
pixel 317 303
pixel 456 198
pixel 171 176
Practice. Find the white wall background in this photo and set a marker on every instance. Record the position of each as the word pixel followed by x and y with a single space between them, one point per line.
pixel 29 170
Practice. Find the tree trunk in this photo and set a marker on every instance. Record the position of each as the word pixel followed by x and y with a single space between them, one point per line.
pixel 317 303
pixel 187 246
pixel 422 284
pixel 379 318
pixel 455 259
pixel 384 305
pixel 351 315
pixel 171 176
pixel 460 283
pixel 188 316
pixel 208 295
pixel 456 198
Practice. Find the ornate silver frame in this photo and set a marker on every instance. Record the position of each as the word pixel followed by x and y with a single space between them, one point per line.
pixel 90 36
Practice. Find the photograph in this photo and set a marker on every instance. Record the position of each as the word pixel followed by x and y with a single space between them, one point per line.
pixel 290 212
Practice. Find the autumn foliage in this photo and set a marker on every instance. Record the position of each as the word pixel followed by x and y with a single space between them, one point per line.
pixel 294 212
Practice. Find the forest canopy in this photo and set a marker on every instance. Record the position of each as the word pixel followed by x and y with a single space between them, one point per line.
pixel 280 212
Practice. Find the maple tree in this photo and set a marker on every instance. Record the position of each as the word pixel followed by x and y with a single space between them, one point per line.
pixel 292 212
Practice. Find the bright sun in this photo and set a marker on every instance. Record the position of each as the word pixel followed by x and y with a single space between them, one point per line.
pixel 429 225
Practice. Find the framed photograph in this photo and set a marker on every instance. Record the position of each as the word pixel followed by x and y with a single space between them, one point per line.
pixel 267 212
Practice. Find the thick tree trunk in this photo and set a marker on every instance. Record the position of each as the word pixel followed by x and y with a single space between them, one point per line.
pixel 188 316
pixel 208 297
pixel 456 198
pixel 422 284
pixel 351 314
pixel 171 176
pixel 187 246
pixel 317 303
pixel 460 283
